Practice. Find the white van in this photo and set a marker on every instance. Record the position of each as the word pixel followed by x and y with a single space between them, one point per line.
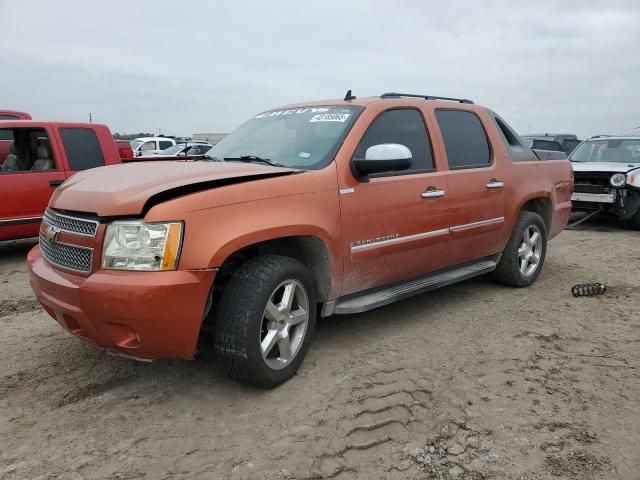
pixel 149 145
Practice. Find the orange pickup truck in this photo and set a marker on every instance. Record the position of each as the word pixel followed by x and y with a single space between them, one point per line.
pixel 330 207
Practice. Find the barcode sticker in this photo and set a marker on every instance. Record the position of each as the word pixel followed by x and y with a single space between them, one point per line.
pixel 330 117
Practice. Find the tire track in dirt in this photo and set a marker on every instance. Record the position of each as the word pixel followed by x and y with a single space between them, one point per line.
pixel 20 305
pixel 69 391
pixel 570 448
pixel 380 418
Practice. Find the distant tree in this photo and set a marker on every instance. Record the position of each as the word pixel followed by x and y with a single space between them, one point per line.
pixel 131 136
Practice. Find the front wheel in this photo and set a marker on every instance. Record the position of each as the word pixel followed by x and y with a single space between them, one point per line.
pixel 525 252
pixel 265 320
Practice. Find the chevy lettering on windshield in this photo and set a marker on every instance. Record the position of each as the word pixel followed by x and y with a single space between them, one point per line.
pixel 292 111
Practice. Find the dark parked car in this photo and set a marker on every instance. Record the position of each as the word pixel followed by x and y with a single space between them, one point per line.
pixel 567 141
pixel 545 149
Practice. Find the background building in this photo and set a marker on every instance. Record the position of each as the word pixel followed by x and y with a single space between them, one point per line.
pixel 209 137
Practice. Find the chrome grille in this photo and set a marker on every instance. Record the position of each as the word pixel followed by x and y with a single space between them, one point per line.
pixel 70 257
pixel 66 223
pixel 589 188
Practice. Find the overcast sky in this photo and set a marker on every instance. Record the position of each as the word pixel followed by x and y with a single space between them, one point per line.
pixel 186 67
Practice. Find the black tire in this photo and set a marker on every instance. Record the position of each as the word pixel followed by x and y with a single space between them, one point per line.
pixel 508 271
pixel 634 223
pixel 239 319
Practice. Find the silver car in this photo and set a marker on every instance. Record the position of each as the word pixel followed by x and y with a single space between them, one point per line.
pixel 607 177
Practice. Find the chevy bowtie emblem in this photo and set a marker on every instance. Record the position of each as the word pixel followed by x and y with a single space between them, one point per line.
pixel 51 233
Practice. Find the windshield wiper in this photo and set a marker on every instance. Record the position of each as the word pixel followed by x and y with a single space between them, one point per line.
pixel 254 159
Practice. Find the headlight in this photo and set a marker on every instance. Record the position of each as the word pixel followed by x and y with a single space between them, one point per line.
pixel 618 180
pixel 135 245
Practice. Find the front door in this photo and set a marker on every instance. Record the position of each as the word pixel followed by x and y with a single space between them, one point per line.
pixel 28 178
pixel 394 224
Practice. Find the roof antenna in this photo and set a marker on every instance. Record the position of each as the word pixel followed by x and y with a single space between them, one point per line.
pixel 349 96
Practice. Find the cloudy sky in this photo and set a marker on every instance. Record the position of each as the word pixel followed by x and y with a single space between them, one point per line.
pixel 185 67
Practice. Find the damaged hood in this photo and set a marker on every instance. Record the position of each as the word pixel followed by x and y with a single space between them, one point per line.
pixel 126 189
pixel 612 167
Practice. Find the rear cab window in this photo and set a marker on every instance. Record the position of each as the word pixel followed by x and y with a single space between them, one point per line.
pixel 25 150
pixel 518 147
pixel 465 139
pixel 82 147
pixel 404 126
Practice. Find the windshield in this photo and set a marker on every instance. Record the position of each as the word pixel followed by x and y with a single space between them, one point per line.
pixel 174 150
pixel 135 143
pixel 199 149
pixel 608 150
pixel 303 137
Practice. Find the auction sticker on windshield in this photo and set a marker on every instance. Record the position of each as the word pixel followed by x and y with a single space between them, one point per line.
pixel 330 117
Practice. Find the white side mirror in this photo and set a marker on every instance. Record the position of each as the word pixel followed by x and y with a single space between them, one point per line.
pixel 388 151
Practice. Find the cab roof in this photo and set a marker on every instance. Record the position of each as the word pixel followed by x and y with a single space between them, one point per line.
pixel 391 98
pixel 613 137
pixel 38 124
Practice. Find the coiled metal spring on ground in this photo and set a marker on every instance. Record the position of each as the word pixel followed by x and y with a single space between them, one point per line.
pixel 588 289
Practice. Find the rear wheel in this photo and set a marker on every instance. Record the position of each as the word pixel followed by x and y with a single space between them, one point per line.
pixel 525 252
pixel 265 320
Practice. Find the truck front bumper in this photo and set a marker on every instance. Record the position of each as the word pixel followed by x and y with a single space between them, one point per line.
pixel 142 315
pixel 608 198
pixel 623 203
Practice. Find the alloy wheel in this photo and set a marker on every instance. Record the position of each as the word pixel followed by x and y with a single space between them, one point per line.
pixel 530 251
pixel 284 324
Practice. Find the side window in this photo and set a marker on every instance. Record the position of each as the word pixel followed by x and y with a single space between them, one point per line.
pixel 24 150
pixel 519 149
pixel 146 146
pixel 507 133
pixel 464 139
pixel 82 147
pixel 8 117
pixel 404 126
pixel 6 134
pixel 165 144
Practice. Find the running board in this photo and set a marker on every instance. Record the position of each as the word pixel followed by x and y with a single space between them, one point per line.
pixel 362 302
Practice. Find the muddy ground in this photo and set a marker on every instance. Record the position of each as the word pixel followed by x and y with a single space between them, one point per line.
pixel 474 381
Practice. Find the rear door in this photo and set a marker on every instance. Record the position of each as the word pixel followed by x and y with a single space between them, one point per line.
pixel 164 144
pixel 476 186
pixel 394 224
pixel 28 178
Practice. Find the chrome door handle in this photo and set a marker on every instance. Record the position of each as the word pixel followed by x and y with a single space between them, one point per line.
pixel 495 184
pixel 432 193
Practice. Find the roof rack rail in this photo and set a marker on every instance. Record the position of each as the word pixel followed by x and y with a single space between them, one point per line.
pixel 426 97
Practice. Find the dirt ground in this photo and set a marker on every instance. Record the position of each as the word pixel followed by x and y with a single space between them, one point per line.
pixel 474 381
